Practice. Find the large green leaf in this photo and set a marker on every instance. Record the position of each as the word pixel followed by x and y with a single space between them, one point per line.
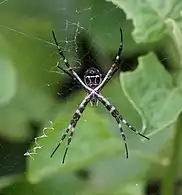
pixel 176 35
pixel 152 92
pixel 149 16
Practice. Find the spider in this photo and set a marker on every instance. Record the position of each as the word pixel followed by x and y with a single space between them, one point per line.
pixel 93 84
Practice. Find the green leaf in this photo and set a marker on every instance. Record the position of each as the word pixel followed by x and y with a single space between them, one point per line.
pixel 176 35
pixel 113 171
pixel 149 17
pixel 152 92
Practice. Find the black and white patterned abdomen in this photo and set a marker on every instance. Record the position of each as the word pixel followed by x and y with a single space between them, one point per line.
pixel 92 78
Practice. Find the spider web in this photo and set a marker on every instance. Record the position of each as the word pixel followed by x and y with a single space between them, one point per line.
pixel 68 30
pixel 67 33
pixel 37 146
pixel 70 48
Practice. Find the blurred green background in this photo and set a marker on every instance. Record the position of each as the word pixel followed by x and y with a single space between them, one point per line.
pixel 37 101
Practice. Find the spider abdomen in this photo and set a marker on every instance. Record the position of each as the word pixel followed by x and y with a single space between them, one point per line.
pixel 92 78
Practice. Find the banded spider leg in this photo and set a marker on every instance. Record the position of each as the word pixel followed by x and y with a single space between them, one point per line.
pixel 118 117
pixel 72 126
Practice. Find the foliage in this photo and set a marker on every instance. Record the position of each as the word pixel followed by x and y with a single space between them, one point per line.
pixel 150 97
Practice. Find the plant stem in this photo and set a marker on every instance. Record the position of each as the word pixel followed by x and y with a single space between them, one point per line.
pixel 168 187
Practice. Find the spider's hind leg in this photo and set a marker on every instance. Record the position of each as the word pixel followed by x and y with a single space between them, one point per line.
pixel 131 126
pixel 120 128
pixel 113 112
pixel 72 126
pixel 118 117
pixel 68 143
pixel 62 138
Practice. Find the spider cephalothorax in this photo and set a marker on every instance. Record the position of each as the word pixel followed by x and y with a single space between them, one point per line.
pixel 93 84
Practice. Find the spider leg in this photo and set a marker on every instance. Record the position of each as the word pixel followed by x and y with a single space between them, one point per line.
pixel 72 126
pixel 62 138
pixel 118 117
pixel 112 109
pixel 114 66
pixel 65 71
pixel 68 143
pixel 72 72
pixel 120 47
pixel 130 126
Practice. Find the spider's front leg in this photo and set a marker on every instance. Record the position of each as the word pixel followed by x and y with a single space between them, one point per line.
pixel 120 47
pixel 118 117
pixel 72 72
pixel 114 66
pixel 72 126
